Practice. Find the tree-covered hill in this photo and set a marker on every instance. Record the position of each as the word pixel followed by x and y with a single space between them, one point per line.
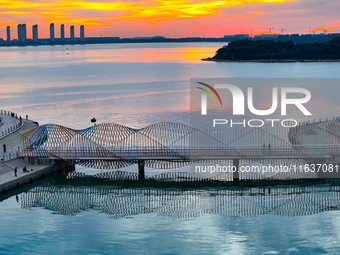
pixel 271 50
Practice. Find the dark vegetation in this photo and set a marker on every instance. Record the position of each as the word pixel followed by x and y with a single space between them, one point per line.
pixel 296 38
pixel 271 50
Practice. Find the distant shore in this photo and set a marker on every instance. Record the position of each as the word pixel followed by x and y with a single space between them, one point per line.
pixel 272 60
pixel 268 51
pixel 296 38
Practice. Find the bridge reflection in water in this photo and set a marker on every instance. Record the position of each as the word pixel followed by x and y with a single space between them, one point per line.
pixel 184 204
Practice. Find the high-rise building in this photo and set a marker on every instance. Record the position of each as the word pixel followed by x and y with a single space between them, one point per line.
pixel 82 33
pixel 8 30
pixel 72 32
pixel 35 33
pixel 62 31
pixel 22 33
pixel 52 32
pixel 19 32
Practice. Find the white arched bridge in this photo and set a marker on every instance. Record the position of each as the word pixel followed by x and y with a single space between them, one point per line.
pixel 171 145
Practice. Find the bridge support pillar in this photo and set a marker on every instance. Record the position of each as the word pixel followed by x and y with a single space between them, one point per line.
pixel 141 170
pixel 236 174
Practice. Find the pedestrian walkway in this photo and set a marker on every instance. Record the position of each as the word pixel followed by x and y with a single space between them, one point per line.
pixel 8 180
pixel 9 122
pixel 14 139
pixel 9 159
pixel 7 169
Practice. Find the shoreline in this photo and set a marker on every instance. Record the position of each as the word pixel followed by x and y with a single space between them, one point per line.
pixel 9 181
pixel 272 60
pixel 11 159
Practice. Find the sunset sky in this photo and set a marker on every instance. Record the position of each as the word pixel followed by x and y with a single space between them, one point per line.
pixel 171 18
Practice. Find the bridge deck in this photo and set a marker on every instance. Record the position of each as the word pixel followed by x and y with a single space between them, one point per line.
pixel 176 153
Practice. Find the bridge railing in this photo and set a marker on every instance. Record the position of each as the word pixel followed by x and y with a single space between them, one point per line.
pixel 18 124
pixel 14 152
pixel 11 155
pixel 303 151
pixel 319 120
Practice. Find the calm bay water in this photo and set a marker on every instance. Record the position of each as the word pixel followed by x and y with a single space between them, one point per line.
pixel 138 85
pixel 129 84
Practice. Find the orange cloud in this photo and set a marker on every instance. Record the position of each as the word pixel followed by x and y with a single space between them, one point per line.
pixel 154 10
pixel 170 17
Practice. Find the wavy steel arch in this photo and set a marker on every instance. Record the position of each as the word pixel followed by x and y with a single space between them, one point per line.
pixel 172 145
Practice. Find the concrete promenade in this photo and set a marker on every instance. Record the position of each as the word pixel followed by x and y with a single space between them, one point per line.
pixel 12 140
pixel 12 137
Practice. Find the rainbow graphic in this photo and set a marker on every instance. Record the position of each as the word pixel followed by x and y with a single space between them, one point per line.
pixel 213 94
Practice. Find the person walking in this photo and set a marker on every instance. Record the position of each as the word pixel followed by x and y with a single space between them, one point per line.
pixel 15 171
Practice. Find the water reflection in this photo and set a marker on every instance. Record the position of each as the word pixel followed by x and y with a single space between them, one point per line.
pixel 143 52
pixel 130 84
pixel 184 204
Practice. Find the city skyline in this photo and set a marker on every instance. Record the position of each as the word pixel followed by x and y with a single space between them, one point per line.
pixel 21 30
pixel 164 18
